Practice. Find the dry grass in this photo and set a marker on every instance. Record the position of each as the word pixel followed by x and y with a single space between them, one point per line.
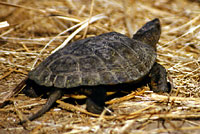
pixel 37 28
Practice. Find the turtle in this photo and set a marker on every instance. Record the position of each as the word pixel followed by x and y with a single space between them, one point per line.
pixel 93 65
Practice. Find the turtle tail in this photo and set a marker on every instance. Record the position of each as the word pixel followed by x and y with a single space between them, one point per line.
pixel 55 95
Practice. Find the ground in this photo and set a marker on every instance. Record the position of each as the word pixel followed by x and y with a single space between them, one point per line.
pixel 37 28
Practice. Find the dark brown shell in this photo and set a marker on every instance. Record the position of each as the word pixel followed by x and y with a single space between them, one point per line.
pixel 110 58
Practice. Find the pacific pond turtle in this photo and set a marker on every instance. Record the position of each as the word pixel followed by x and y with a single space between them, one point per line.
pixel 91 66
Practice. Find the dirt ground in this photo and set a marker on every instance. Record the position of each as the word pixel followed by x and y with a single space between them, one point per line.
pixel 31 30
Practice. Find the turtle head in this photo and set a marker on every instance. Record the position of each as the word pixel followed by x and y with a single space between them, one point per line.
pixel 149 33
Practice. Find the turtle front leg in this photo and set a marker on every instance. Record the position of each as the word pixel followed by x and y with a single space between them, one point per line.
pixel 96 99
pixel 158 79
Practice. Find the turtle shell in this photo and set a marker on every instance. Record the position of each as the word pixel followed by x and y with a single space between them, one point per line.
pixel 107 59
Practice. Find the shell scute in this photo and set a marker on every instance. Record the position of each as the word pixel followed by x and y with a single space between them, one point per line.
pixel 110 58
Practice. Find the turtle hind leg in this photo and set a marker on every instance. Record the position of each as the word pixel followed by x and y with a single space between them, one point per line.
pixel 34 90
pixel 158 79
pixel 55 95
pixel 29 89
pixel 96 99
